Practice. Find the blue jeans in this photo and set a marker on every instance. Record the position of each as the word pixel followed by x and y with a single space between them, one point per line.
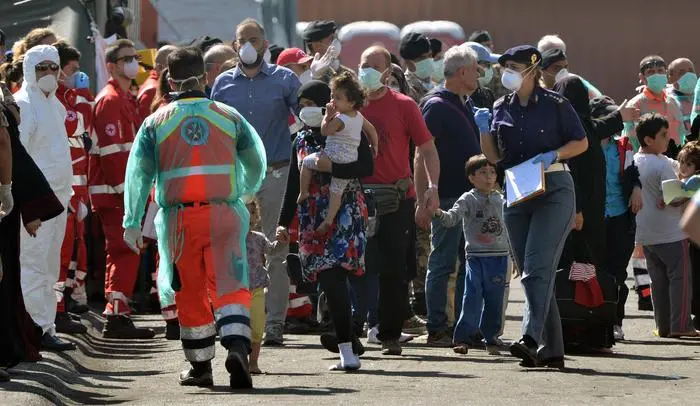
pixel 441 264
pixel 482 304
pixel 537 230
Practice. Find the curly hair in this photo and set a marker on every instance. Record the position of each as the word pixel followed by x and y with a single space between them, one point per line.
pixel 253 207
pixel 690 154
pixel 35 37
pixel 354 92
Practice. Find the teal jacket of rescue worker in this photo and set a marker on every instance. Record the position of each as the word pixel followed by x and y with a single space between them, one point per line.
pixel 196 150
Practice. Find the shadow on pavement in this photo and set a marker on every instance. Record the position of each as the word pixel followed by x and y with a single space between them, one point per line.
pixel 640 357
pixel 593 372
pixel 83 370
pixel 412 374
pixel 283 390
pixel 53 386
pixel 688 342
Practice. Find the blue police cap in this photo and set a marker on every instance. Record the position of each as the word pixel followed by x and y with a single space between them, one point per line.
pixel 525 54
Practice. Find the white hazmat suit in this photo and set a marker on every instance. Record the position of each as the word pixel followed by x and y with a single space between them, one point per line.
pixel 43 134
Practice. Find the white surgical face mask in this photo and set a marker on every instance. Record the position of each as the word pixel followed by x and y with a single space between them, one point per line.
pixel 311 116
pixel 512 80
pixel 267 56
pixel 305 77
pixel 47 83
pixel 248 53
pixel 561 75
pixel 183 81
pixel 131 69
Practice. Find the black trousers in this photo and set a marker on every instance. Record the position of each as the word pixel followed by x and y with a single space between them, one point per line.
pixel 387 256
pixel 695 267
pixel 619 242
pixel 334 283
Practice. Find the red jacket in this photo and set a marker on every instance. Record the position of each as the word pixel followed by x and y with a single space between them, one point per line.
pixel 78 121
pixel 147 92
pixel 116 120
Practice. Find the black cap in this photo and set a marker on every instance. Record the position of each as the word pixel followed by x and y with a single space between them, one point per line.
pixel 205 42
pixel 435 46
pixel 318 30
pixel 552 56
pixel 480 36
pixel 414 45
pixel 275 51
pixel 525 54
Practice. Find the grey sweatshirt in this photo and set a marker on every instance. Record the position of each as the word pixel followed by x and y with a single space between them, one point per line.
pixel 482 222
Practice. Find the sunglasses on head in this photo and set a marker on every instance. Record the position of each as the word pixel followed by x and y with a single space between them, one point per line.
pixel 43 67
pixel 129 58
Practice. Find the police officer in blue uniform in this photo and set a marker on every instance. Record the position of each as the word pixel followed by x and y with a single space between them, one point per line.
pixel 532 122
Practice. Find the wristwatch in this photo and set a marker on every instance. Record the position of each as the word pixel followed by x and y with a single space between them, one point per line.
pixel 556 158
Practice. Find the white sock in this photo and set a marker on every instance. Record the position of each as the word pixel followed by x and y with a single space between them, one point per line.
pixel 348 360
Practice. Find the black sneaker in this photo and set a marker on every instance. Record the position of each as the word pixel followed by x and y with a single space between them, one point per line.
pixel 440 339
pixel 197 377
pixel 526 351
pixel 330 342
pixel 122 327
pixel 237 366
pixel 66 325
pixel 52 343
pixel 74 307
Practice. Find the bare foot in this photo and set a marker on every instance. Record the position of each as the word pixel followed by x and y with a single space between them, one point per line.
pixel 302 196
pixel 323 228
pixel 254 369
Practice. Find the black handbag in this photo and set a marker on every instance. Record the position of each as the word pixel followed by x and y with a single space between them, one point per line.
pixel 565 289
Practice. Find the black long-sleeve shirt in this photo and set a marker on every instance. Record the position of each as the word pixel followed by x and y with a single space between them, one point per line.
pixel 363 167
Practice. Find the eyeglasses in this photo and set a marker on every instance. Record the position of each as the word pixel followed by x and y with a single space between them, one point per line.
pixel 43 67
pixel 129 58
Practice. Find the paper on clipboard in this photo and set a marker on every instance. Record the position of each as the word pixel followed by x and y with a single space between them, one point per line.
pixel 149 227
pixel 524 182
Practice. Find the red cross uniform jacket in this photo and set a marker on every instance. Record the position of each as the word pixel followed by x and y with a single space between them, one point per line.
pixel 78 104
pixel 116 120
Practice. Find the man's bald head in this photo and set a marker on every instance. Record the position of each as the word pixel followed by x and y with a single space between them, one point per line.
pixel 214 58
pixel 376 57
pixel 678 68
pixel 219 54
pixel 162 57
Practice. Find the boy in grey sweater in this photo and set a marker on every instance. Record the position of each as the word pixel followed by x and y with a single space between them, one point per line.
pixel 481 212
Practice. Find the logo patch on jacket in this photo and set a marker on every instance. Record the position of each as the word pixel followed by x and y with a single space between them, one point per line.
pixel 71 116
pixel 111 130
pixel 195 131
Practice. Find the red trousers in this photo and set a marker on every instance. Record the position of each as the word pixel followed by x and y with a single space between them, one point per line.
pixel 122 263
pixel 73 261
pixel 198 265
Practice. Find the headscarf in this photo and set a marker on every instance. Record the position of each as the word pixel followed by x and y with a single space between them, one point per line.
pixel 316 91
pixel 573 88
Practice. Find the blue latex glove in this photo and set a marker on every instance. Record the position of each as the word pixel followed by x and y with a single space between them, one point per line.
pixel 547 159
pixel 82 80
pixel 692 184
pixel 483 119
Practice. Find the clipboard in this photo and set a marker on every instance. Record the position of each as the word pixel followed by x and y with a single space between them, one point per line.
pixel 524 182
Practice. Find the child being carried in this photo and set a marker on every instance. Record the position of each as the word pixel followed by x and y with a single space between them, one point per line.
pixel 343 125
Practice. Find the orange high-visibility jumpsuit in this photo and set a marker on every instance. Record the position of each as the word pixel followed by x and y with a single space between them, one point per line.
pixel 204 158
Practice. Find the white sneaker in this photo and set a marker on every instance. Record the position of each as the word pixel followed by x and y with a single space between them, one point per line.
pixel 372 336
pixel 374 331
pixel 618 333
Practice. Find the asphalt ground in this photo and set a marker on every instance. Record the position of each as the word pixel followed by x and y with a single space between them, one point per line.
pixel 642 370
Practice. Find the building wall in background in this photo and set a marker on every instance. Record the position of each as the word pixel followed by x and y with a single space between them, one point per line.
pixel 605 39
